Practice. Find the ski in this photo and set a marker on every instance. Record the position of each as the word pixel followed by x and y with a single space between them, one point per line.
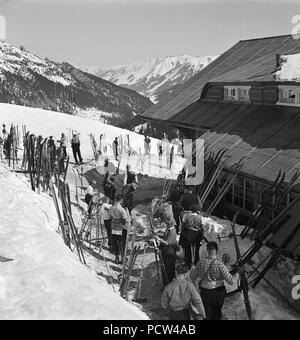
pixel 125 283
pixel 241 270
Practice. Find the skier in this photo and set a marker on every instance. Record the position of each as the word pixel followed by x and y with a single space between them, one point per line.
pixel 63 144
pixel 104 144
pixel 180 294
pixel 129 186
pixel 189 199
pixel 5 142
pixel 119 218
pixel 60 160
pixel 160 149
pixel 76 148
pixel 116 148
pixel 90 193
pixel 51 152
pixel 168 247
pixel 3 138
pixel 191 235
pixel 105 218
pixel 100 145
pixel 212 273
pixel 109 187
pixel 147 145
pixel 175 198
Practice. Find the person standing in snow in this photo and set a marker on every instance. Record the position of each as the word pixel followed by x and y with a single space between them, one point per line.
pixel 129 186
pixel 119 218
pixel 52 153
pixel 189 199
pixel 147 145
pixel 180 294
pixel 168 247
pixel 109 187
pixel 191 235
pixel 63 144
pixel 90 193
pixel 105 218
pixel 116 148
pixel 212 273
pixel 76 148
pixel 3 138
pixel 3 142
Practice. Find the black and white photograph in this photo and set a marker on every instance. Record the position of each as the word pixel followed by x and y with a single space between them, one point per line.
pixel 149 162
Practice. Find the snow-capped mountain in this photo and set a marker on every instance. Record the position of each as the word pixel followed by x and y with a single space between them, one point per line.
pixel 153 77
pixel 26 79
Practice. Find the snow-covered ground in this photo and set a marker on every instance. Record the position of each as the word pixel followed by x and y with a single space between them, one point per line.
pixel 15 60
pixel 45 280
pixel 47 123
pixel 94 114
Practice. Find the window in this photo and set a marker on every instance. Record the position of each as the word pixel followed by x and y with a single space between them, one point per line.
pixel 288 95
pixel 237 93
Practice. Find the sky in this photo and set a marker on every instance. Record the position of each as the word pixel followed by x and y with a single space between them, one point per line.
pixel 111 32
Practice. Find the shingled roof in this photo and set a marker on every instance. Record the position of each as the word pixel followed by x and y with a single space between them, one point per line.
pixel 248 60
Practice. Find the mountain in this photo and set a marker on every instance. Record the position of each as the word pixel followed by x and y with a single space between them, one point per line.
pixel 155 77
pixel 26 79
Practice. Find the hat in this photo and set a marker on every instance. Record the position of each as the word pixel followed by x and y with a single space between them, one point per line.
pixel 212 245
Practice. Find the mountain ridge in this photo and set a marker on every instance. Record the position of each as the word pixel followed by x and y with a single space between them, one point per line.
pixel 153 77
pixel 27 79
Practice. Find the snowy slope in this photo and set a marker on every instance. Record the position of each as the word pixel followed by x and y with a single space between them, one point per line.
pixel 289 68
pixel 45 280
pixel 18 61
pixel 152 77
pixel 49 123
pixel 26 79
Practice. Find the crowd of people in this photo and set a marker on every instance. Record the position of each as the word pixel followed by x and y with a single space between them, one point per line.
pixel 115 209
pixel 189 279
pixel 194 284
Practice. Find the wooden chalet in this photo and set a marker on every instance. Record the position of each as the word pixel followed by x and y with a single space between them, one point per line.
pixel 236 104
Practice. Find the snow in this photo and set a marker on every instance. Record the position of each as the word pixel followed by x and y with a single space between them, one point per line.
pixel 45 280
pixel 290 68
pixel 46 123
pixel 148 76
pixel 94 114
pixel 14 60
pixel 50 123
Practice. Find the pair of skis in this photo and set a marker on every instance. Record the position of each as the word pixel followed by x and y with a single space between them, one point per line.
pixel 265 223
pixel 67 226
pixel 161 269
pixel 127 267
pixel 126 280
pixel 261 209
pixel 235 169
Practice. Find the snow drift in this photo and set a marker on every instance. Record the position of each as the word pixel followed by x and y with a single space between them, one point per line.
pixel 289 68
pixel 45 280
